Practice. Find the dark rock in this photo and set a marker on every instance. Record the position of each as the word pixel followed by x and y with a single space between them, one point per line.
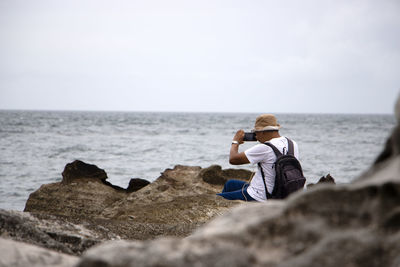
pixel 328 179
pixel 79 170
pixel 116 187
pixel 136 184
pixel 216 176
pixel 213 175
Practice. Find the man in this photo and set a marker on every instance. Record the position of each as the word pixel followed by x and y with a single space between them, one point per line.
pixel 266 129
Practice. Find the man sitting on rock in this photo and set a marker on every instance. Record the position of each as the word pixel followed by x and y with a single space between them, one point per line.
pixel 266 129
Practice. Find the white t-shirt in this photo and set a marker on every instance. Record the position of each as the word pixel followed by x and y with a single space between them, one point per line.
pixel 266 156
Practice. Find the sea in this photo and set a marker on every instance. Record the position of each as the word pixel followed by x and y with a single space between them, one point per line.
pixel 35 146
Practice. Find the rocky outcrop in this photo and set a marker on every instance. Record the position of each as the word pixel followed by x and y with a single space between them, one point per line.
pixel 183 195
pixel 177 203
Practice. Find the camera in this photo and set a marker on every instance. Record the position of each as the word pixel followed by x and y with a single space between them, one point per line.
pixel 249 137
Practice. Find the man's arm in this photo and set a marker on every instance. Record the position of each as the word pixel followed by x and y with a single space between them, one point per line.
pixel 236 158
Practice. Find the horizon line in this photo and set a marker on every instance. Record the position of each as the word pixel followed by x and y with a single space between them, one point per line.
pixel 185 111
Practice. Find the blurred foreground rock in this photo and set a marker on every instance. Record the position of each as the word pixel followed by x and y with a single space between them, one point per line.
pixel 17 254
pixel 53 232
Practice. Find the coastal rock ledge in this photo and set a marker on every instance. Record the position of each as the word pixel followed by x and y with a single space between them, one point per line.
pixel 84 209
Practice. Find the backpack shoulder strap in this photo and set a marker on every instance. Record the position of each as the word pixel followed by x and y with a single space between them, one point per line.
pixel 269 196
pixel 276 150
pixel 291 147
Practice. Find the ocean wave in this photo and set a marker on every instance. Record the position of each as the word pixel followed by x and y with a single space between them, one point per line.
pixel 70 150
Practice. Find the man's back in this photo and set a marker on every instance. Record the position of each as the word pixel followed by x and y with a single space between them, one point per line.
pixel 263 154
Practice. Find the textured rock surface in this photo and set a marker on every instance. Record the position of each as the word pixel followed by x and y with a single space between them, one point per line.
pixel 17 254
pixel 179 197
pixel 175 204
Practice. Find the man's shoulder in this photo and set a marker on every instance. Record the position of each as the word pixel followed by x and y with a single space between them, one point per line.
pixel 283 139
pixel 259 152
pixel 279 141
pixel 260 147
pixel 282 142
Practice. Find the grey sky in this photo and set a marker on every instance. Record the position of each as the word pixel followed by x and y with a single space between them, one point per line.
pixel 245 56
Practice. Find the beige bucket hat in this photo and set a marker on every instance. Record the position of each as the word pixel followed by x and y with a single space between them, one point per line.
pixel 266 122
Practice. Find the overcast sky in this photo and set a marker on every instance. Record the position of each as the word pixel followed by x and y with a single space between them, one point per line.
pixel 225 56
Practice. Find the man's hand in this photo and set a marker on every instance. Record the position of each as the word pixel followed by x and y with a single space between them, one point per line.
pixel 239 136
pixel 235 157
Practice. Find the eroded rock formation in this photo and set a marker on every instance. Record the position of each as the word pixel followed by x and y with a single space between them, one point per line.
pixel 177 203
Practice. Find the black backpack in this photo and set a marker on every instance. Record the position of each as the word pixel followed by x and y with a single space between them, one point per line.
pixel 289 174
